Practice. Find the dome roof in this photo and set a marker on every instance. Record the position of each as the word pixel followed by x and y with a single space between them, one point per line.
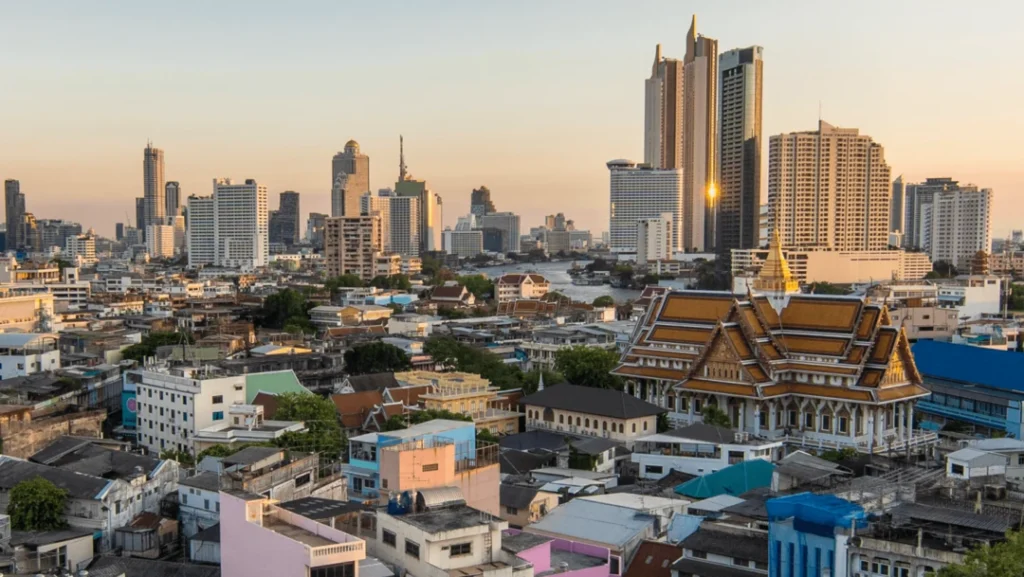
pixel 351 144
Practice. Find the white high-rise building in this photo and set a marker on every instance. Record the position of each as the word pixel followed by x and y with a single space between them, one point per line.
pixel 153 186
pixel 637 192
pixel 435 224
pixel 202 250
pixel 466 241
pixel 404 225
pixel 81 248
pixel 955 224
pixel 160 241
pixel 380 205
pixel 508 224
pixel 654 238
pixel 178 224
pixel 829 188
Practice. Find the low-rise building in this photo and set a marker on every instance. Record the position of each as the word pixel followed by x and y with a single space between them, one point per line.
pixel 199 503
pixel 522 505
pixel 244 424
pixel 275 473
pixel 23 354
pixel 591 411
pixel 521 286
pixel 545 342
pixel 838 267
pixel 464 393
pixel 715 549
pixel 970 463
pixel 699 449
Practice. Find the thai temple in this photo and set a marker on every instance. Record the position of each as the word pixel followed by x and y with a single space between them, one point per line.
pixel 815 371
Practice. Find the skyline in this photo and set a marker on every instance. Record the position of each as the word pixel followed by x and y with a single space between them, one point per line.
pixel 529 123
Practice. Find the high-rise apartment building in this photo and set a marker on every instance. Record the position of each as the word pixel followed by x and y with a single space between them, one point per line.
pixel 239 223
pixel 81 249
pixel 654 239
pixel 284 222
pixel 153 186
pixel 480 202
pixel 14 204
pixel 351 244
pixel 202 249
pixel 177 223
pixel 639 191
pixel 140 214
pixel 955 224
pixel 404 225
pixel 740 73
pixel 119 231
pixel 896 205
pixel 28 233
pixel 829 188
pixel 380 204
pixel 917 195
pixel 356 168
pixel 172 199
pixel 160 241
pixel 508 224
pixel 700 140
pixel 315 229
pixel 429 211
pixel 663 113
pixel 466 240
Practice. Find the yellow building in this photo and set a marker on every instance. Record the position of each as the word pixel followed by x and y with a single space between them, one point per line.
pixel 464 393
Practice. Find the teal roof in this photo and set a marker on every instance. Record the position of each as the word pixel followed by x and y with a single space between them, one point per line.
pixel 732 480
pixel 274 382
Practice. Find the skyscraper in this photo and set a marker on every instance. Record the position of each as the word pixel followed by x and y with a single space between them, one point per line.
pixel 350 245
pixel 287 220
pixel 639 191
pixel 700 140
pixel 480 201
pixel 236 215
pixel 172 199
pixel 829 188
pixel 663 113
pixel 404 225
pixel 14 204
pixel 430 205
pixel 356 168
pixel 380 204
pixel 739 149
pixel 153 186
pixel 896 206
pixel 917 195
pixel 202 248
pixel 654 239
pixel 140 213
pixel 954 222
pixel 508 224
pixel 315 229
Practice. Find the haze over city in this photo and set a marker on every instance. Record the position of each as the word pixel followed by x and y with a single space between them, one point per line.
pixel 530 99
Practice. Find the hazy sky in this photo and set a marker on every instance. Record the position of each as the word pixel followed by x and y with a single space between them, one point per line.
pixel 530 97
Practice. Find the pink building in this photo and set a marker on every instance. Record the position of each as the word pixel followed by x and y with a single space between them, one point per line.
pixel 567 558
pixel 431 463
pixel 260 538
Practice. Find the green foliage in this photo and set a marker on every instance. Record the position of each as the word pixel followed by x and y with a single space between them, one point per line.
pixel 581 461
pixel 486 436
pixel 343 281
pixel 1016 299
pixel 708 277
pixel 323 433
pixel 395 282
pixel 663 423
pixel 150 342
pixel 285 308
pixel 399 422
pixel 714 416
pixel 478 284
pixel 827 288
pixel 37 505
pixel 589 366
pixel 532 379
pixel 375 357
pixel 555 296
pixel 430 265
pixel 836 456
pixel 624 272
pixel 184 458
pixel 61 264
pixel 222 451
pixel 649 279
pixel 450 313
pixel 1000 560
pixel 604 301
pixel 456 356
pixel 944 269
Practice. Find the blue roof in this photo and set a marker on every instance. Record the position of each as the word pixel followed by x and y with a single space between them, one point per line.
pixel 732 480
pixel 972 365
pixel 826 510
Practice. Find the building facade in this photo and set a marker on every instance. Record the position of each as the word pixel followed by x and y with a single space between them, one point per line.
pixel 829 188
pixel 955 224
pixel 202 248
pixel 356 168
pixel 351 244
pixel 480 202
pixel 239 222
pixel 81 248
pixel 14 205
pixel 404 225
pixel 896 211
pixel 508 224
pixel 639 191
pixel 654 238
pixel 838 267
pixel 380 205
pixel 700 140
pixel 153 186
pixel 284 226
pixel 172 199
pixel 740 73
pixel 663 113
pixel 160 241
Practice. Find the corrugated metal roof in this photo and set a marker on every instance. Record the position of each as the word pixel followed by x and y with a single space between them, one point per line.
pixel 593 522
pixel 967 364
pixel 439 496
pixel 975 457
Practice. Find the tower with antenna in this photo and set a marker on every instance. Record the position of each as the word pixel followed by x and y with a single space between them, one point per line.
pixel 401 159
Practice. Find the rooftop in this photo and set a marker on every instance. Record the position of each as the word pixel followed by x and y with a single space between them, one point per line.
pixel 730 541
pixel 316 508
pixel 654 559
pixel 519 542
pixel 583 519
pixel 207 480
pixel 972 365
pixel 732 480
pixel 591 400
pixel 450 518
pixel 295 532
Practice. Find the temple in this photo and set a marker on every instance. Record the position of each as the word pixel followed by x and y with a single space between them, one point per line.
pixel 816 371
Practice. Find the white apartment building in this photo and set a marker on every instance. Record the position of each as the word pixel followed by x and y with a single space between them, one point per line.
pixel 177 222
pixel 955 224
pixel 23 354
pixel 829 188
pixel 202 248
pixel 838 267
pixel 466 241
pixel 637 192
pixel 172 407
pixel 241 235
pixel 160 241
pixel 81 249
pixel 404 226
pixel 351 244
pixel 26 313
pixel 654 238
pixel 387 264
pixel 380 205
pixel 507 223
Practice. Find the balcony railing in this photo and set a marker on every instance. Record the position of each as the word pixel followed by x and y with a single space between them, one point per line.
pixel 485 455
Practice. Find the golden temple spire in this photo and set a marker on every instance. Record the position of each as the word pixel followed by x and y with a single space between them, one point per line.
pixel 775 274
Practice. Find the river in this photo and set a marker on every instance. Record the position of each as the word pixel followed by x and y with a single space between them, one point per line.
pixel 558 275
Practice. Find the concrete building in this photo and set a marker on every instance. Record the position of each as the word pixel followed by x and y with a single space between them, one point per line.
pixel 23 354
pixel 508 224
pixel 160 241
pixel 818 197
pixel 663 113
pixel 700 141
pixel 521 286
pixel 201 246
pixel 140 215
pixel 463 393
pixel 810 534
pixel 26 313
pixel 915 197
pixel 430 205
pixel 654 238
pixel 740 73
pixel 955 224
pixel 172 199
pixel 380 205
pixel 237 216
pixel 404 225
pixel 466 241
pixel 896 210
pixel 698 449
pixel 284 222
pixel 153 186
pixel 351 244
pixel 345 192
pixel 81 249
pixel 315 226
pixel 836 266
pixel 480 202
pixel 543 345
pixel 637 192
pixel 590 412
pixel 14 206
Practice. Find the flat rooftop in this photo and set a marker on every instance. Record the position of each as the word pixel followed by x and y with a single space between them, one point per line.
pixel 476 570
pixel 295 533
pixel 575 561
pixel 448 519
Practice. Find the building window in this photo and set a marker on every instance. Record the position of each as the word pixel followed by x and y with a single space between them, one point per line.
pixel 389 538
pixel 339 570
pixel 645 425
pixel 577 421
pixel 826 423
pixel 634 427
pixel 303 479
pixel 604 425
pixel 700 554
pixel 844 425
pixel 808 420
pixel 655 469
pixel 218 399
pixel 561 419
pixel 956 469
pixel 206 504
pixel 460 550
pixel 587 425
pixel 412 549
pixel 880 567
pixel 1020 459
pixel 217 416
pixel 430 467
pixel 511 511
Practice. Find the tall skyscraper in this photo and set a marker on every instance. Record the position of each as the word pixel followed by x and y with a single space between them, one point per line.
pixel 404 225
pixel 700 140
pixel 119 231
pixel 663 113
pixel 284 226
pixel 14 204
pixel 380 205
pixel 315 229
pixel 639 191
pixel 480 201
pixel 739 150
pixel 829 188
pixel 896 206
pixel 356 168
pixel 955 222
pixel 140 213
pixel 917 195
pixel 153 186
pixel 350 245
pixel 172 199
pixel 239 223
pixel 430 205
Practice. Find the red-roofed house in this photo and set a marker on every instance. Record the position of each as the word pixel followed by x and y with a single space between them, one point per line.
pixel 354 408
pixel 454 295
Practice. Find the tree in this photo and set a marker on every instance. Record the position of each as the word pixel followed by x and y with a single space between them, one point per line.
pixel 417 417
pixel 827 288
pixel 375 357
pixel 589 366
pixel 604 301
pixel 455 356
pixel 395 423
pixel 663 424
pixel 450 313
pixel 183 458
pixel 999 560
pixel 323 432
pixel 149 344
pixel 37 505
pixel 625 274
pixel 486 436
pixel 394 282
pixel 714 416
pixel 343 281
pixel 478 284
pixel 944 269
pixel 285 307
pixel 532 379
pixel 837 455
pixel 1016 299
pixel 557 297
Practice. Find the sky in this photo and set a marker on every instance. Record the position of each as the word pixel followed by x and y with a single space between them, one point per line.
pixel 529 98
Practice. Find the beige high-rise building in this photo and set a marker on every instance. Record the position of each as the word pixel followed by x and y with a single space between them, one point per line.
pixel 663 113
pixel 829 188
pixel 351 244
pixel 356 168
pixel 160 241
pixel 153 186
pixel 700 140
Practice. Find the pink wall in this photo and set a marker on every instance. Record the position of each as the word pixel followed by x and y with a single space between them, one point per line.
pixel 540 556
pixel 481 487
pixel 247 549
pixel 403 470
